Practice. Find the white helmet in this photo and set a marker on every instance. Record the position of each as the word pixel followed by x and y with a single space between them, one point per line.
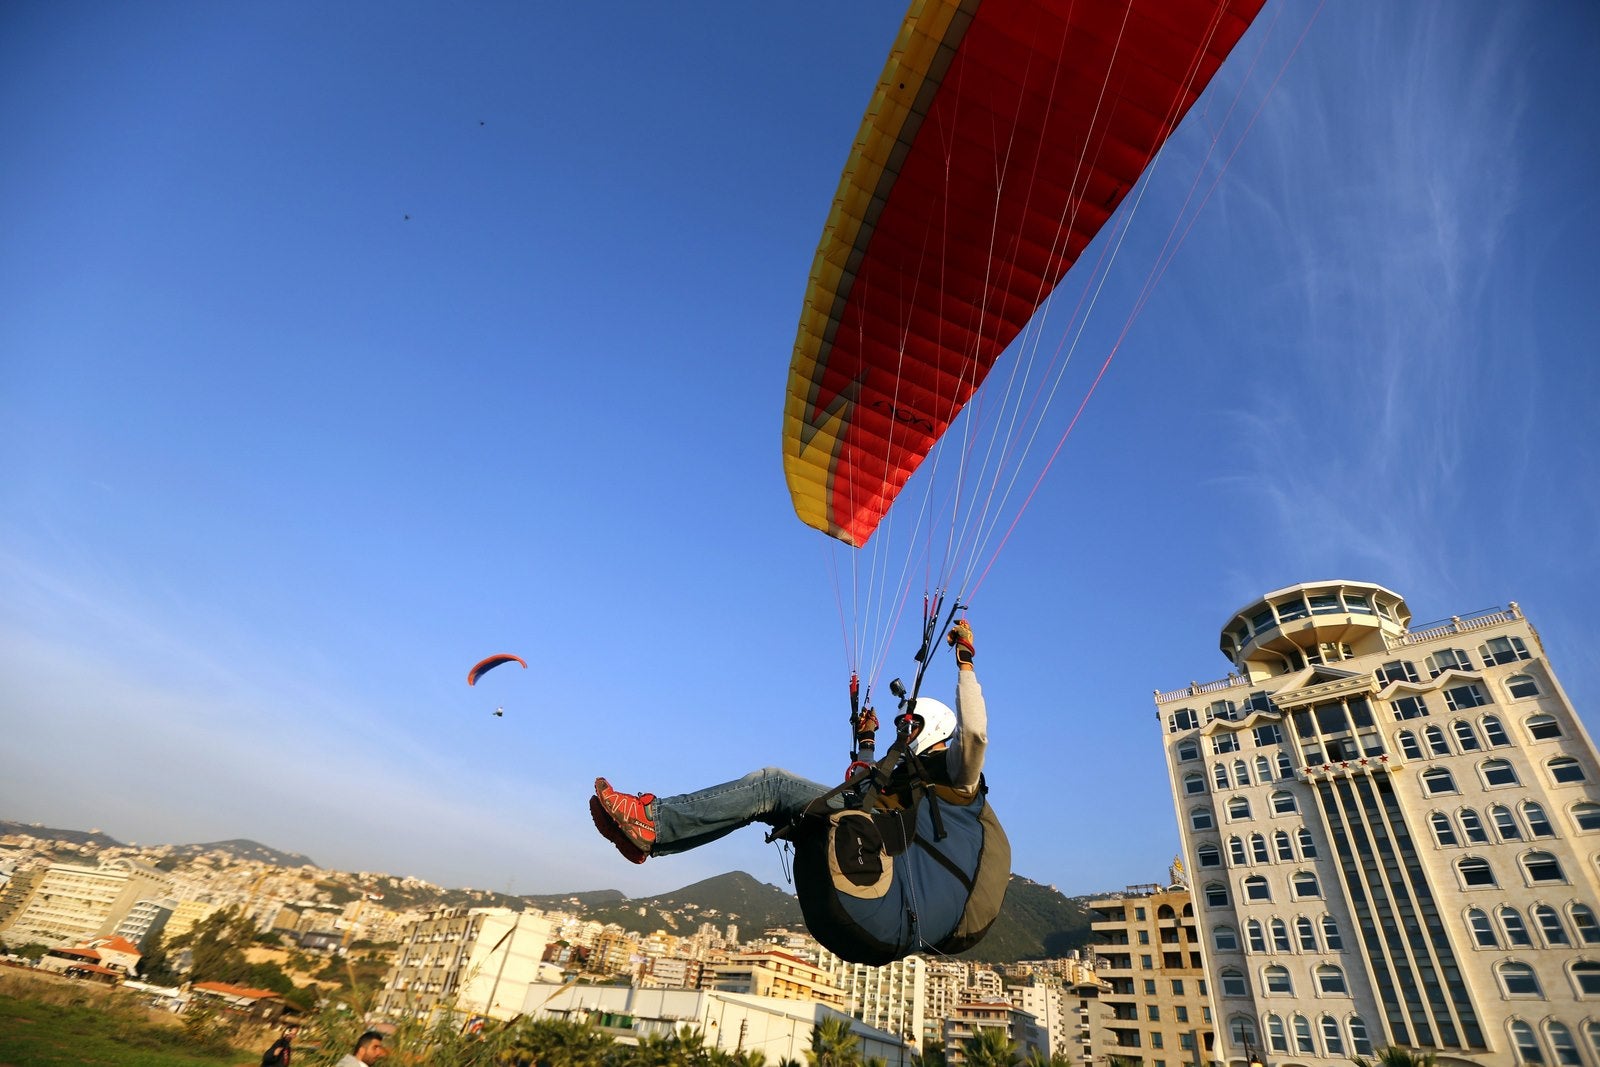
pixel 938 724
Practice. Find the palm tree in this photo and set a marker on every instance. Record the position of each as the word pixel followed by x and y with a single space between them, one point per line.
pixel 834 1044
pixel 1394 1056
pixel 990 1047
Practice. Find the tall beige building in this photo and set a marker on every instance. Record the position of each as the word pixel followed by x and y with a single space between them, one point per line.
pixel 1392 832
pixel 477 961
pixel 71 903
pixel 1157 1009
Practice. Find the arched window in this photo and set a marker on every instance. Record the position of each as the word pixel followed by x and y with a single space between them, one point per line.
pixel 1498 772
pixel 1306 934
pixel 1561 1043
pixel 1584 922
pixel 1308 847
pixel 1330 981
pixel 1472 827
pixel 1233 984
pixel 1518 979
pixel 1208 855
pixel 1254 936
pixel 1285 768
pixel 1522 685
pixel 1565 769
pixel 1219 777
pixel 1283 803
pixel 1241 773
pixel 1193 784
pixel 1216 895
pixel 1408 745
pixel 1280 843
pixel 1305 886
pixel 1538 824
pixel 1516 931
pixel 1437 780
pixel 1466 736
pixel 1225 938
pixel 1524 1043
pixel 1482 932
pixel 1332 1040
pixel 1276 980
pixel 1302 1034
pixel 1280 936
pixel 1436 743
pixel 1201 819
pixel 1277 1036
pixel 1494 731
pixel 1443 833
pixel 1586 978
pixel 1256 888
pixel 1542 868
pixel 1238 808
pixel 1475 872
pixel 1236 854
pixel 1263 769
pixel 1505 826
pixel 1550 927
pixel 1542 727
pixel 1360 1042
pixel 1258 848
pixel 1188 750
pixel 1586 816
pixel 1330 934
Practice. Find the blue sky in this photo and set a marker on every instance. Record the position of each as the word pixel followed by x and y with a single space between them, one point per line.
pixel 280 463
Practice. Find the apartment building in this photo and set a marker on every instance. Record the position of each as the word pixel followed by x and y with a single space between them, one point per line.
pixel 1392 831
pixel 779 975
pixel 1157 1011
pixel 478 961
pixel 70 903
pixel 1068 1002
pixel 888 998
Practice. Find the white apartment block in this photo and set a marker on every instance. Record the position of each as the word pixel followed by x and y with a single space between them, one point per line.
pixel 72 903
pixel 478 961
pixel 1393 834
pixel 888 998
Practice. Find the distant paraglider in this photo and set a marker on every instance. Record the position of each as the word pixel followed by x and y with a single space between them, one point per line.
pixel 484 666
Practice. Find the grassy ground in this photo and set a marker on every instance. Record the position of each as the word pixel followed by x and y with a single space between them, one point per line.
pixel 65 1026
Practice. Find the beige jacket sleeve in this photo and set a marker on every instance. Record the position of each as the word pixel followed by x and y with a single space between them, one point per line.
pixel 972 733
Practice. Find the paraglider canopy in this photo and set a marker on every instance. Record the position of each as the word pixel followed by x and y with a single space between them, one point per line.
pixel 483 666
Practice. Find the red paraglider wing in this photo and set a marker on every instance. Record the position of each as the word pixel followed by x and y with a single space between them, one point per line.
pixel 485 665
pixel 1001 137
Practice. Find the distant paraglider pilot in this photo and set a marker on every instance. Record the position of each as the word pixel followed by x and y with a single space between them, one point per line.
pixel 858 879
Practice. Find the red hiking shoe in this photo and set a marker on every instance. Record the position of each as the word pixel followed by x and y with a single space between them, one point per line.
pixel 621 818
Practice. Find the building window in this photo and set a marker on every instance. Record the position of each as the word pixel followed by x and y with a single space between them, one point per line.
pixel 1225 742
pixel 1305 886
pixel 1254 935
pixel 1308 847
pixel 1550 927
pixel 1186 751
pixel 1408 745
pixel 1149 987
pixel 1586 976
pixel 1542 868
pixel 1268 734
pixel 1447 660
pixel 1285 768
pixel 1462 697
pixel 1565 770
pixel 1466 736
pixel 1200 819
pixel 1219 776
pixel 1398 670
pixel 1495 732
pixel 1360 1042
pixel 1437 746
pixel 1500 650
pixel 1524 1043
pixel 1518 979
pixel 1280 842
pixel 1208 855
pixel 1283 803
pixel 1475 872
pixel 1583 921
pixel 1542 727
pixel 1236 854
pixel 1302 1034
pixel 1497 772
pixel 1193 784
pixel 1504 824
pixel 1306 934
pixel 1225 938
pixel 1330 934
pixel 1256 888
pixel 1538 824
pixel 1263 769
pixel 1241 773
pixel 1437 780
pixel 1443 833
pixel 1561 1043
pixel 1516 931
pixel 1482 932
pixel 1521 686
pixel 1330 981
pixel 1280 936
pixel 1409 707
pixel 1238 808
pixel 1233 984
pixel 1331 1039
pixel 1586 816
pixel 1182 719
pixel 1472 827
pixel 1276 980
pixel 1258 849
pixel 1216 895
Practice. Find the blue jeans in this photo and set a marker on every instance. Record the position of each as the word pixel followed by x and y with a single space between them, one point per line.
pixel 771 795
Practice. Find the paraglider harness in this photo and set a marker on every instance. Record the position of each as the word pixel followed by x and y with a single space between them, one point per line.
pixel 881 867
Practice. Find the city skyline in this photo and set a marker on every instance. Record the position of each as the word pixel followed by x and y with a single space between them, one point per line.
pixel 283 462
